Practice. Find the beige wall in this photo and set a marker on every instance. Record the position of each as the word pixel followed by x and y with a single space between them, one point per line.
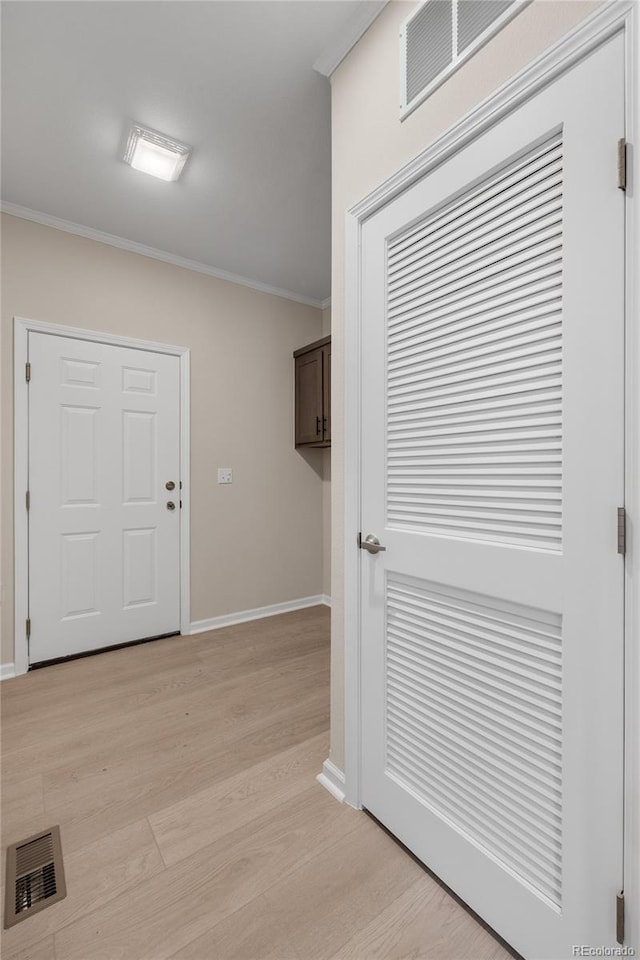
pixel 326 321
pixel 369 144
pixel 250 542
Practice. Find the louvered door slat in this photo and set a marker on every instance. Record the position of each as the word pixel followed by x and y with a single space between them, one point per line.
pixel 488 703
pixel 519 210
pixel 515 497
pixel 507 793
pixel 516 235
pixel 530 689
pixel 491 250
pixel 468 359
pixel 499 737
pixel 500 230
pixel 467 331
pixel 505 385
pixel 438 342
pixel 516 215
pixel 474 399
pixel 407 427
pixel 503 737
pixel 464 774
pixel 537 650
pixel 489 194
pixel 480 829
pixel 484 349
pixel 492 301
pixel 537 828
pixel 521 304
pixel 505 280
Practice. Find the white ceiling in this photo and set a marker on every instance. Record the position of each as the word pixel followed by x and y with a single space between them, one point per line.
pixel 233 79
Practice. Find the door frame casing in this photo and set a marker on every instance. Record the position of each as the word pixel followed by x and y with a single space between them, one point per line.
pixel 22 327
pixel 612 18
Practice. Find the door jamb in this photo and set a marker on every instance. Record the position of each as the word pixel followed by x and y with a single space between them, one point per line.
pixel 605 22
pixel 22 328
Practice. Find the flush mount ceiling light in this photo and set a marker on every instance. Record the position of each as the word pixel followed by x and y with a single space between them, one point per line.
pixel 155 153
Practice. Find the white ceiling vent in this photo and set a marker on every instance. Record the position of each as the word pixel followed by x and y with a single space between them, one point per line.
pixel 440 35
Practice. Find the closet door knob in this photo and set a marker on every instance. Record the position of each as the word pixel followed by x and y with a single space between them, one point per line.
pixel 372 544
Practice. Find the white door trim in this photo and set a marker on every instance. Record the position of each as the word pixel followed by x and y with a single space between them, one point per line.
pixel 22 328
pixel 613 17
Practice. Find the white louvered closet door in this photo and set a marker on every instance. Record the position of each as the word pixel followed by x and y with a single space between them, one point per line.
pixel 492 644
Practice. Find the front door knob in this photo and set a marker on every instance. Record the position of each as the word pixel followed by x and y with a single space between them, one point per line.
pixel 170 485
pixel 170 505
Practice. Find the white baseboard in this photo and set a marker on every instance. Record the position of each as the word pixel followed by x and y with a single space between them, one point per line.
pixel 7 671
pixel 332 779
pixel 214 623
pixel 326 599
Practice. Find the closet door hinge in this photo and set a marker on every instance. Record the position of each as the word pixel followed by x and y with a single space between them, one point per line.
pixel 622 530
pixel 27 500
pixel 28 627
pixel 622 164
pixel 27 371
pixel 620 917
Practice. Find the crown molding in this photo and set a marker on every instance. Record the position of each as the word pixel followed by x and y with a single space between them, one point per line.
pixel 348 36
pixel 68 226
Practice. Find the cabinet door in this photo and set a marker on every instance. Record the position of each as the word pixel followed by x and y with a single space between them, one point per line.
pixel 309 397
pixel 326 391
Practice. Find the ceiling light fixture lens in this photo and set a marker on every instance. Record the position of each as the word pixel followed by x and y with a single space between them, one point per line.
pixel 155 153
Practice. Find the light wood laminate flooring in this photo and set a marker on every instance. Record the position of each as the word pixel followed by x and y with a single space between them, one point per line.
pixel 182 774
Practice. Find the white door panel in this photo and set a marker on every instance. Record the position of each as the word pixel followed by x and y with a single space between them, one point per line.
pixel 103 548
pixel 492 457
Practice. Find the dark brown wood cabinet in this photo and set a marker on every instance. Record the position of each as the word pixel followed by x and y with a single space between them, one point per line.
pixel 313 394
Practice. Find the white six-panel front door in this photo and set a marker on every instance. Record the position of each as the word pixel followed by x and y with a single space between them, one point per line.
pixel 104 549
pixel 492 463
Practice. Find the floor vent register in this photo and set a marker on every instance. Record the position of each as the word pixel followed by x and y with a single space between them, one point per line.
pixel 35 876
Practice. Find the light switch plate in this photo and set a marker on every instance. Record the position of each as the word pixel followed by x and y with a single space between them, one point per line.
pixel 225 475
